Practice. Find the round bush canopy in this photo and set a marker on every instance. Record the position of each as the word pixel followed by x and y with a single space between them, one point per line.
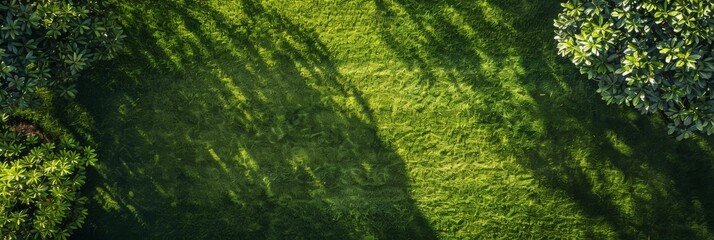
pixel 653 55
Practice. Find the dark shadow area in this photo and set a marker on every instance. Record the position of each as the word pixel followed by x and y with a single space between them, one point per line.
pixel 665 190
pixel 217 126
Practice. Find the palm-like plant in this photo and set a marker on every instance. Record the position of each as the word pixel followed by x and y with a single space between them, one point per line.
pixel 46 44
pixel 39 185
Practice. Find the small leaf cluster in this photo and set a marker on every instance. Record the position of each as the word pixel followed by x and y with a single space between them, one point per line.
pixel 40 184
pixel 46 43
pixel 653 55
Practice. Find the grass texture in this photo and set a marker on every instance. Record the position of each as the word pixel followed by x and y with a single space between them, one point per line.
pixel 371 119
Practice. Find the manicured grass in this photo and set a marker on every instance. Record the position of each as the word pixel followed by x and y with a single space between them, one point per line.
pixel 372 119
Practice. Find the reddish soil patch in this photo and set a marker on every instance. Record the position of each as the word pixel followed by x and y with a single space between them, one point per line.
pixel 27 128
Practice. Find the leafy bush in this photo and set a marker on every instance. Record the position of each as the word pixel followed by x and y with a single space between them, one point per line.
pixel 46 43
pixel 654 55
pixel 39 184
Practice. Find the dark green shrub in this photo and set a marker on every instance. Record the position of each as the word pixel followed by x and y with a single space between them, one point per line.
pixel 653 55
pixel 46 43
pixel 39 183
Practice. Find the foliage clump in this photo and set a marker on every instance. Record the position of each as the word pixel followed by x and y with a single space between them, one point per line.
pixel 653 55
pixel 40 184
pixel 46 43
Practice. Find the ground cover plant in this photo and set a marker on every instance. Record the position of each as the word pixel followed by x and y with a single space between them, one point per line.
pixel 655 56
pixel 371 119
pixel 41 181
pixel 46 44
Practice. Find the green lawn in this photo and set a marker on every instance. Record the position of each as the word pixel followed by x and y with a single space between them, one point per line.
pixel 372 119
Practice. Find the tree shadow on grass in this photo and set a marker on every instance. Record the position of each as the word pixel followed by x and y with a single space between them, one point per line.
pixel 235 126
pixel 622 169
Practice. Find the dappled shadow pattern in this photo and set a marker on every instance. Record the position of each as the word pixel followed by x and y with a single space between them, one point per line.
pixel 232 124
pixel 621 168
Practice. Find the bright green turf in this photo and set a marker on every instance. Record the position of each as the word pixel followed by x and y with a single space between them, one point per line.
pixel 364 119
